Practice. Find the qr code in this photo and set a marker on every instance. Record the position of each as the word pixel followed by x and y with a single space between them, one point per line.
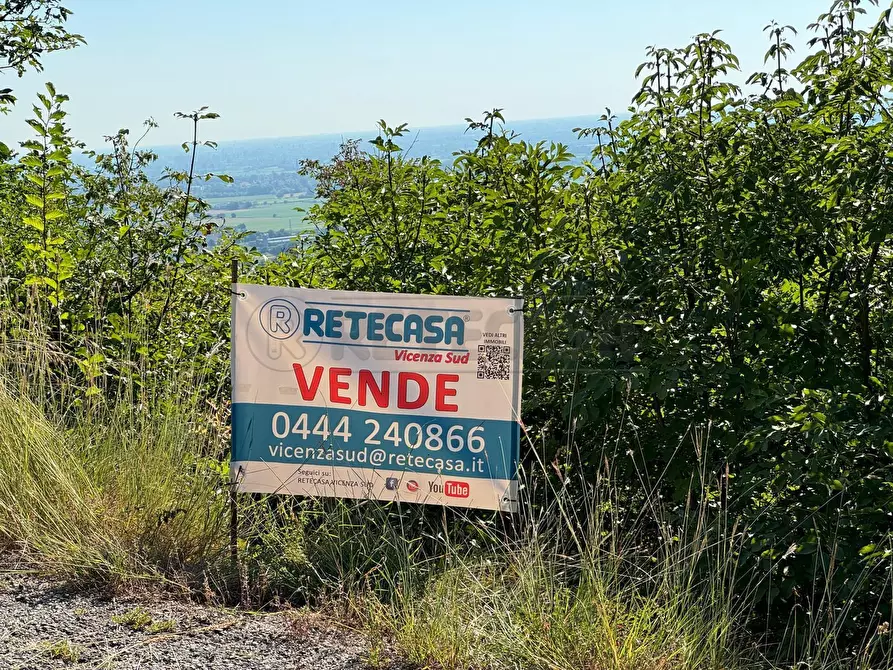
pixel 494 361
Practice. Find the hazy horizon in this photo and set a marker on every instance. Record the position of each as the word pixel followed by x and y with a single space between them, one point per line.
pixel 372 130
pixel 284 153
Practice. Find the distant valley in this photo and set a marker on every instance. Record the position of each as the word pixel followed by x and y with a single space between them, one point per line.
pixel 267 194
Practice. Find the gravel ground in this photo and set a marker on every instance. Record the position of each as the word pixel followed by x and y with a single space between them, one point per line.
pixel 44 626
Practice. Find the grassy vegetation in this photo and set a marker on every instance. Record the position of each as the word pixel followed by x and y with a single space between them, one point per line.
pixel 535 606
pixel 127 491
pixel 139 619
pixel 63 650
pixel 119 492
pixel 267 212
pixel 136 619
pixel 132 490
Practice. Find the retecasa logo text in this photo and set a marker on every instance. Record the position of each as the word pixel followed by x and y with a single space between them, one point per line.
pixel 336 324
pixel 281 318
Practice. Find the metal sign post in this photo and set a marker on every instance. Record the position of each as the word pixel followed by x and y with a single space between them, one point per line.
pixel 233 500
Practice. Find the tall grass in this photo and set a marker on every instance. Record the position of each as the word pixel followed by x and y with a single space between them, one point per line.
pixel 130 485
pixel 106 489
pixel 528 611
pixel 578 591
pixel 610 596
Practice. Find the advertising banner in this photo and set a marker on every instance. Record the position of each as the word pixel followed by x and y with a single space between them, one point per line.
pixel 389 396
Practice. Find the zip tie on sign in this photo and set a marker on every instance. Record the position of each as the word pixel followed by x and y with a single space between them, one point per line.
pixel 512 310
pixel 240 475
pixel 241 294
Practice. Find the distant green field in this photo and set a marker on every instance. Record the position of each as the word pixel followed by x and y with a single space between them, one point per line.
pixel 266 213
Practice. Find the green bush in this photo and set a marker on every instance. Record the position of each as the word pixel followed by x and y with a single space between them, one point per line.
pixel 721 263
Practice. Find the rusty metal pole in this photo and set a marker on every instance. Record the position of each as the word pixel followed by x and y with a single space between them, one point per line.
pixel 233 501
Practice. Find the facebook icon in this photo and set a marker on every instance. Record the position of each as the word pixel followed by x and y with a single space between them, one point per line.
pixel 391 483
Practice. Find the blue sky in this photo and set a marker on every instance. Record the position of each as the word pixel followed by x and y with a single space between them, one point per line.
pixel 297 67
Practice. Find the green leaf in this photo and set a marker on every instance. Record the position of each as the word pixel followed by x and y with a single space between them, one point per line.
pixel 35 222
pixel 34 200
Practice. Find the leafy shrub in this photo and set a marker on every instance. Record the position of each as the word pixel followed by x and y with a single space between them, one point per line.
pixel 721 263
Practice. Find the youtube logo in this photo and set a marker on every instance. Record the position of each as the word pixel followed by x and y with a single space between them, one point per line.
pixel 453 489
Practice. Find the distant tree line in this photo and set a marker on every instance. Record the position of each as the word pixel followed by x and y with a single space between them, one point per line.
pixel 278 184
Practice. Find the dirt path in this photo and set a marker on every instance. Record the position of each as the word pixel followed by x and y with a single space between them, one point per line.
pixel 43 626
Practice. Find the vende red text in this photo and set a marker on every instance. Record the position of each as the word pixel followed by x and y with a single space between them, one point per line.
pixel 363 388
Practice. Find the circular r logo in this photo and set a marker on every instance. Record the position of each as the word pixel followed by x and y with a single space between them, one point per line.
pixel 280 318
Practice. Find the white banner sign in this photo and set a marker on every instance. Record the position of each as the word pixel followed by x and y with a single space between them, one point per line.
pixel 376 395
